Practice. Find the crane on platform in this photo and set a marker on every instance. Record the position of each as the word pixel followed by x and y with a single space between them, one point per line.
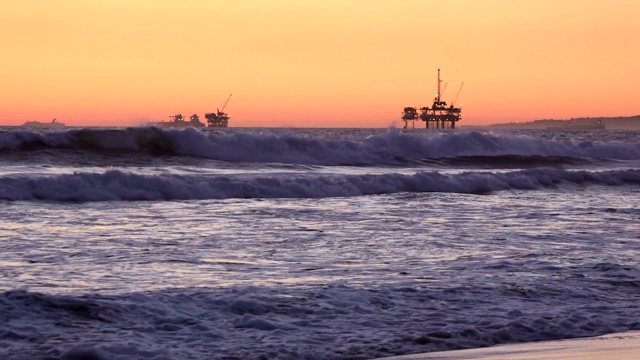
pixel 225 103
pixel 458 94
pixel 443 89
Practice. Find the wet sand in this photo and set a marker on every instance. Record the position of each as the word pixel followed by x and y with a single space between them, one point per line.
pixel 619 346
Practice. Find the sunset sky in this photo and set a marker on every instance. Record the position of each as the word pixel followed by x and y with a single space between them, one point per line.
pixel 329 63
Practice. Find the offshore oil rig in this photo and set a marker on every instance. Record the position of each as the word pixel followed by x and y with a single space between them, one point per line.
pixel 219 118
pixel 214 119
pixel 439 116
pixel 178 121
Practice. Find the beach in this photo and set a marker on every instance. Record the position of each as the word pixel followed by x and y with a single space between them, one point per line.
pixel 618 346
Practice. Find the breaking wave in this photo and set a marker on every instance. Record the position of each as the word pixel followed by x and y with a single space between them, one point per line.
pixel 118 185
pixel 392 147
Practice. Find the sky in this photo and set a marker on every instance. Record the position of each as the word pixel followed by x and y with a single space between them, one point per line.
pixel 329 63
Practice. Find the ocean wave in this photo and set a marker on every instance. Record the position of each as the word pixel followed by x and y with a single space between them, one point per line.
pixel 507 161
pixel 117 185
pixel 329 322
pixel 392 147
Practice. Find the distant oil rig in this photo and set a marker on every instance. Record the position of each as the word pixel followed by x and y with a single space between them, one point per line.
pixel 219 118
pixel 214 119
pixel 439 116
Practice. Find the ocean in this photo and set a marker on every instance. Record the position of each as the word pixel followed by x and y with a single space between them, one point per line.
pixel 256 243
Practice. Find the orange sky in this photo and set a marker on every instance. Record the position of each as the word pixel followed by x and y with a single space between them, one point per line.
pixel 329 63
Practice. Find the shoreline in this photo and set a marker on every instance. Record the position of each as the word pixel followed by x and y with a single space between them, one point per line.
pixel 619 346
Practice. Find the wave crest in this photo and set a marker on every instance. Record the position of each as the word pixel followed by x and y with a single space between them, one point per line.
pixel 117 185
pixel 392 147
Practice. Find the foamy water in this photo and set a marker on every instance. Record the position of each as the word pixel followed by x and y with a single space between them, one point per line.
pixel 144 243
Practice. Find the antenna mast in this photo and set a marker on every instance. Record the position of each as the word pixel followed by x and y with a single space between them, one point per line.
pixel 439 81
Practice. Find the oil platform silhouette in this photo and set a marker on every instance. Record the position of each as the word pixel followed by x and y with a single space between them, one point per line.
pixel 214 119
pixel 439 116
pixel 219 118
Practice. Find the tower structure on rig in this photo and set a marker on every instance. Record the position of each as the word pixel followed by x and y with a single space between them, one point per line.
pixel 438 116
